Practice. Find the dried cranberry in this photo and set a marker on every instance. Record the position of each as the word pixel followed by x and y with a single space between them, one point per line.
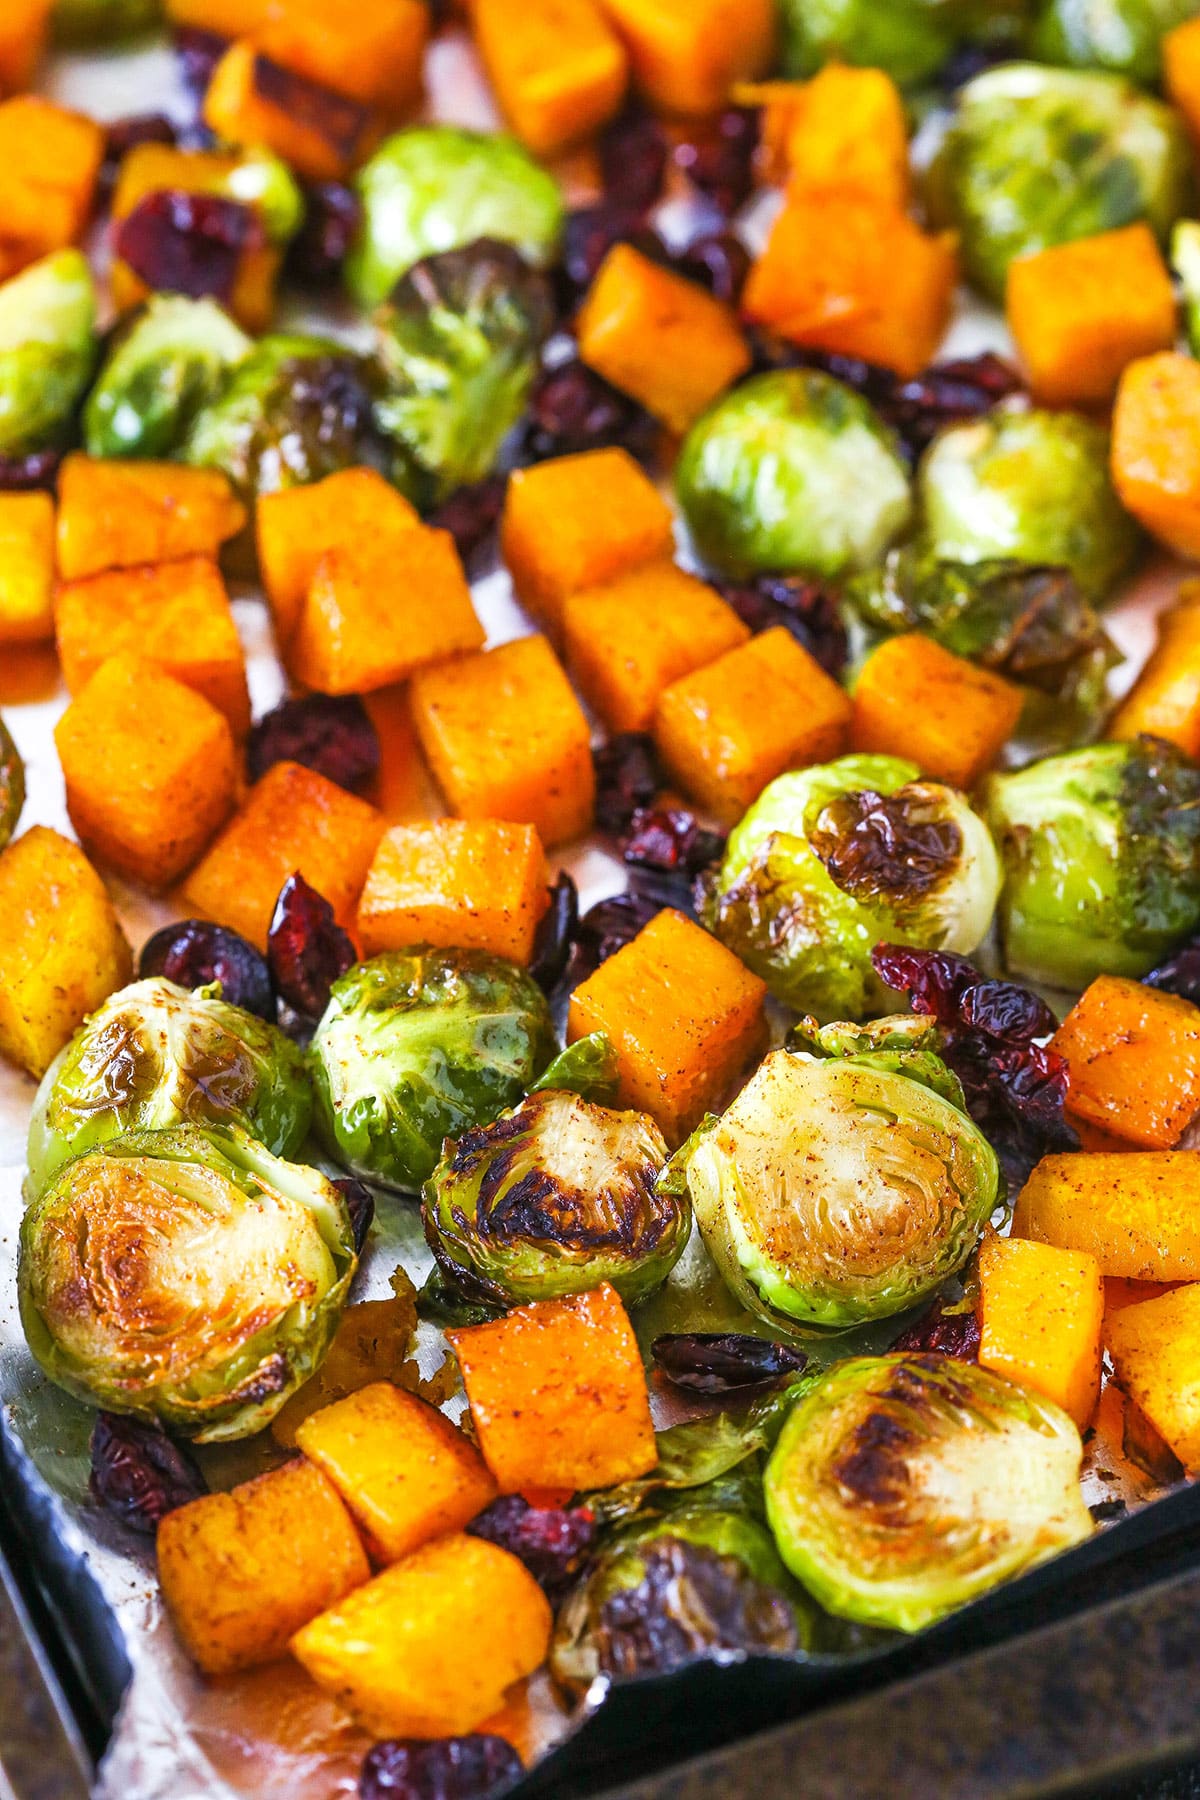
pixel 198 53
pixel 803 607
pixel 628 778
pixel 194 952
pixel 471 515
pixel 121 136
pixel 633 155
pixel 306 948
pixel 331 733
pixel 690 1602
pixel 666 848
pixel 947 394
pixel 555 934
pixel 1180 974
pixel 571 409
pixel 720 163
pixel 360 1204
pixel 181 243
pixel 607 927
pixel 589 234
pixel 331 409
pixel 945 1334
pixel 1001 1009
pixel 332 219
pixel 552 1542
pixel 138 1474
pixel 464 1768
pixel 718 261
pixel 720 1362
pixel 934 980
pixel 25 474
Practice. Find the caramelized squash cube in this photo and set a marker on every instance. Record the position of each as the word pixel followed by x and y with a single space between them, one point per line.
pixel 916 700
pixel 684 1015
pixel 1181 72
pixel 1134 1060
pixel 430 1647
pixel 476 884
pixel 62 950
pixel 293 820
pixel 577 521
pixel 26 568
pixel 732 727
pixel 1119 1293
pixel 118 515
pixel 687 54
pixel 24 28
pixel 558 70
pixel 242 1571
pixel 297 527
pixel 506 739
pixel 1136 1212
pixel 558 1394
pixel 1165 699
pixel 1156 448
pixel 1041 1313
pixel 659 338
pixel 847 128
pixel 224 18
pixel 252 99
pixel 49 161
pixel 1155 1349
pixel 374 51
pixel 174 614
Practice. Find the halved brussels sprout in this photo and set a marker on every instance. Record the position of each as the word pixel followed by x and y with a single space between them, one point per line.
pixel 554 1199
pixel 832 860
pixel 904 1486
pixel 792 471
pixel 164 365
pixel 438 187
pixel 47 349
pixel 1037 156
pixel 911 39
pixel 89 22
pixel 1101 848
pixel 1124 36
pixel 155 1055
pixel 186 1276
pixel 420 1045
pixel 1185 264
pixel 12 784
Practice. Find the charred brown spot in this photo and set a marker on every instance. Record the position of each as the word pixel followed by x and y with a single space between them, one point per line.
pixel 271 1377
pixel 538 1208
pixel 874 1469
pixel 893 844
pixel 341 122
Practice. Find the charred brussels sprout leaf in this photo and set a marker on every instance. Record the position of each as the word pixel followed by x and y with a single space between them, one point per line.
pixel 155 1055
pixel 417 1046
pixel 164 366
pixel 902 1487
pixel 94 22
pixel 1124 36
pixel 47 350
pixel 12 784
pixel 186 1276
pixel 911 39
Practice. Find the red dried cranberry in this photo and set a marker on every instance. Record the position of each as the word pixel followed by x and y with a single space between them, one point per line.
pixel 121 136
pixel 338 121
pixel 720 163
pixel 331 733
pixel 464 1768
pixel 194 952
pixel 1180 974
pixel 720 262
pixel 690 1602
pixel 552 1542
pixel 571 409
pixel 944 1334
pixel 198 53
pixel 1001 1009
pixel 628 777
pixel 138 1474
pixel 360 1204
pixel 803 607
pixel 607 927
pixel 555 934
pixel 633 155
pixel 947 394
pixel 306 948
pixel 666 848
pixel 934 980
pixel 471 515
pixel 26 474
pixel 332 219
pixel 589 234
pixel 721 1362
pixel 181 243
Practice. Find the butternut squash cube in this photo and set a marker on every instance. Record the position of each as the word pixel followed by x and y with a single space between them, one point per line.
pixel 24 28
pixel 476 884
pixel 297 527
pixel 1155 1349
pixel 405 1472
pixel 373 51
pixel 558 70
pixel 660 338
pixel 174 614
pixel 578 521
pixel 224 18
pixel 118 515
pixel 26 568
pixel 241 1572
pixel 430 1647
pixel 292 820
pixel 1041 1311
pixel 62 950
pixel 1156 448
pixel 847 128
pixel 915 699
pixel 1136 1212
pixel 627 641
pixel 558 1394
pixel 687 54
pixel 253 99
pixel 1119 1293
pixel 732 727
pixel 49 161
pixel 506 739
pixel 684 1016
pixel 1134 1060
pixel 1165 699
pixel 1181 72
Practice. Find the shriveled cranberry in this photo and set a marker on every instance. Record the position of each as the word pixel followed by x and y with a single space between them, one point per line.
pixel 690 1601
pixel 571 409
pixel 198 53
pixel 555 934
pixel 934 980
pixel 306 948
pixel 589 234
pixel 628 777
pixel 464 1768
pixel 949 393
pixel 360 1204
pixel 194 952
pixel 26 474
pixel 181 243
pixel 633 154
pixel 805 608
pixel 665 849
pixel 1180 974
pixel 1001 1009
pixel 721 1362
pixel 552 1542
pixel 331 733
pixel 332 219
pixel 607 927
pixel 139 1474
pixel 720 162
pixel 944 1333
pixel 121 136
pixel 719 261
pixel 471 515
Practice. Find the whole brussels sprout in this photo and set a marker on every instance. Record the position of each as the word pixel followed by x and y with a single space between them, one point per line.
pixel 841 1188
pixel 831 861
pixel 438 187
pixel 47 350
pixel 421 1045
pixel 1036 156
pixel 1122 35
pixel 1033 487
pixel 792 471
pixel 165 364
pixel 12 784
pixel 910 39
pixel 88 22
pixel 554 1199
pixel 902 1487
pixel 1101 848
pixel 186 1276
pixel 156 1055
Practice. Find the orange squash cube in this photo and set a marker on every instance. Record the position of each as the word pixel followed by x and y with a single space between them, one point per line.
pixel 292 820
pixel 1136 1212
pixel 26 568
pixel 224 18
pixel 1041 1310
pixel 729 729
pixel 1155 1349
pixel 150 769
pixel 506 739
pixel 578 521
pixel 1134 1060
pixel 297 527
pixel 660 338
pixel 687 54
pixel 174 614
pixel 430 1647
pixel 1165 699
pixel 120 515
pixel 1156 448
pixel 242 1571
pixel 558 70
pixel 847 129
pixel 49 161
pixel 1119 1293
pixel 627 641
pixel 252 99
pixel 373 51
pixel 684 1016
pixel 405 1472
pixel 1181 72
pixel 62 950
pixel 475 884
pixel 24 28
pixel 558 1394
pixel 916 700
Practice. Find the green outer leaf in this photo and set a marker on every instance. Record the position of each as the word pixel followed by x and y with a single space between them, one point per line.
pixel 588 1067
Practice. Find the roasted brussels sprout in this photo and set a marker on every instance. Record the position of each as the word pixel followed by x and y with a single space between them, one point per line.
pixel 911 39
pixel 437 187
pixel 163 367
pixel 904 1486
pixel 1038 156
pixel 90 22
pixel 1032 487
pixel 588 1067
pixel 186 1276
pixel 458 346
pixel 47 350
pixel 155 1055
pixel 831 861
pixel 263 181
pixel 1101 848
pixel 1124 36
pixel 1185 262
pixel 421 1045
pixel 792 471
pixel 12 784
